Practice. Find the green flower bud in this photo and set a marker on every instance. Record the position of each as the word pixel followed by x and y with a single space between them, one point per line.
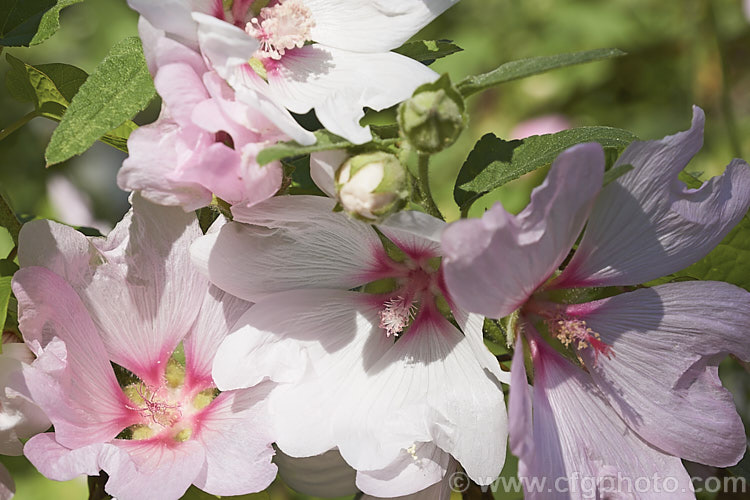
pixel 434 117
pixel 371 185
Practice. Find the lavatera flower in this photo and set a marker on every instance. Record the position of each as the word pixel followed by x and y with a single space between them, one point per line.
pixel 639 388
pixel 329 55
pixel 155 423
pixel 372 355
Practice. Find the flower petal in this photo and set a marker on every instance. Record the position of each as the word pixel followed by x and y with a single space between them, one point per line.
pixel 323 167
pixel 413 471
pixel 325 475
pixel 7 485
pixel 236 435
pixel 72 380
pixel 218 314
pixel 139 284
pixel 662 380
pixel 416 233
pixel 577 436
pixel 438 491
pixel 493 264
pixel 305 245
pixel 339 83
pixel 647 224
pixel 368 26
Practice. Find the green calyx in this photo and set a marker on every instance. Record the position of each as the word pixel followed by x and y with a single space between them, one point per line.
pixel 434 117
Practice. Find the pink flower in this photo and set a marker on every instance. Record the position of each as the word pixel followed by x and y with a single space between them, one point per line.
pixel 159 425
pixel 349 65
pixel 383 376
pixel 650 391
pixel 20 418
pixel 205 141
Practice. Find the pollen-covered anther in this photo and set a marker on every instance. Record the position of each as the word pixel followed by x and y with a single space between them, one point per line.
pixel 576 331
pixel 396 315
pixel 154 405
pixel 283 26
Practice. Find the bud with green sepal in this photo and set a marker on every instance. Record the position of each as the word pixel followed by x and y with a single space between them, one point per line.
pixel 372 185
pixel 433 118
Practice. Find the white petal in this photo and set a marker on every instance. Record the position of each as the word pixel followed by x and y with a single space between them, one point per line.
pixel 371 25
pixel 306 245
pixel 323 167
pixel 325 475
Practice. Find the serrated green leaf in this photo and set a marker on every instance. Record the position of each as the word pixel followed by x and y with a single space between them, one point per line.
pixel 426 51
pixel 494 162
pixel 20 20
pixel 8 219
pixel 51 88
pixel 119 88
pixel 729 261
pixel 50 22
pixel 325 141
pixel 515 70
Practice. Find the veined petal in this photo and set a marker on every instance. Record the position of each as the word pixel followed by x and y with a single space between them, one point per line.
pixel 520 423
pixel 181 89
pixel 304 245
pixel 493 264
pixel 156 152
pixel 218 314
pixel 72 380
pixel 323 167
pixel 339 83
pixel 438 491
pixel 160 50
pixel 647 224
pixel 416 233
pixel 578 436
pixel 412 471
pixel 326 475
pixel 371 26
pixel 236 435
pixel 139 284
pixel 662 379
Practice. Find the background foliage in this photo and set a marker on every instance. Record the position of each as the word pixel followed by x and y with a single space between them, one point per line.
pixel 679 53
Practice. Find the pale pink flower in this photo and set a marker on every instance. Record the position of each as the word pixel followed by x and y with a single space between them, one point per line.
pixel 20 418
pixel 347 66
pixel 382 376
pixel 646 392
pixel 205 141
pixel 130 300
pixel 546 124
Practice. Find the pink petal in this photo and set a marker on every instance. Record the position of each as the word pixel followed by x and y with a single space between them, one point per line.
pixel 339 83
pixel 493 264
pixel 662 380
pixel 520 423
pixel 217 316
pixel 181 89
pixel 72 382
pixel 416 233
pixel 157 152
pixel 7 486
pixel 647 224
pixel 139 285
pixel 304 245
pixel 578 436
pixel 367 26
pixel 236 436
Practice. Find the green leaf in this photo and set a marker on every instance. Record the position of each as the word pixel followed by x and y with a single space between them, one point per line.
pixel 325 141
pixel 119 88
pixel 495 162
pixel 300 181
pixel 8 219
pixel 426 51
pixel 20 20
pixel 51 88
pixel 515 70
pixel 729 261
pixel 50 22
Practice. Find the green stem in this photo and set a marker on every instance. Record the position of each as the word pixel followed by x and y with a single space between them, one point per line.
pixel 424 186
pixel 726 99
pixel 15 126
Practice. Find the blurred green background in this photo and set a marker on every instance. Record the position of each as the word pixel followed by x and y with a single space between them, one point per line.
pixel 680 53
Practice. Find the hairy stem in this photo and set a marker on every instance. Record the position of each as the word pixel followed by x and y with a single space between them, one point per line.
pixel 424 186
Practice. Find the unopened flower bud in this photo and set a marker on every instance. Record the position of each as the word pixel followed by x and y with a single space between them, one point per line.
pixel 433 118
pixel 371 185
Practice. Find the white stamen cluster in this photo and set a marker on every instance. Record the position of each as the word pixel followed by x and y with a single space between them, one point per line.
pixel 283 26
pixel 396 315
